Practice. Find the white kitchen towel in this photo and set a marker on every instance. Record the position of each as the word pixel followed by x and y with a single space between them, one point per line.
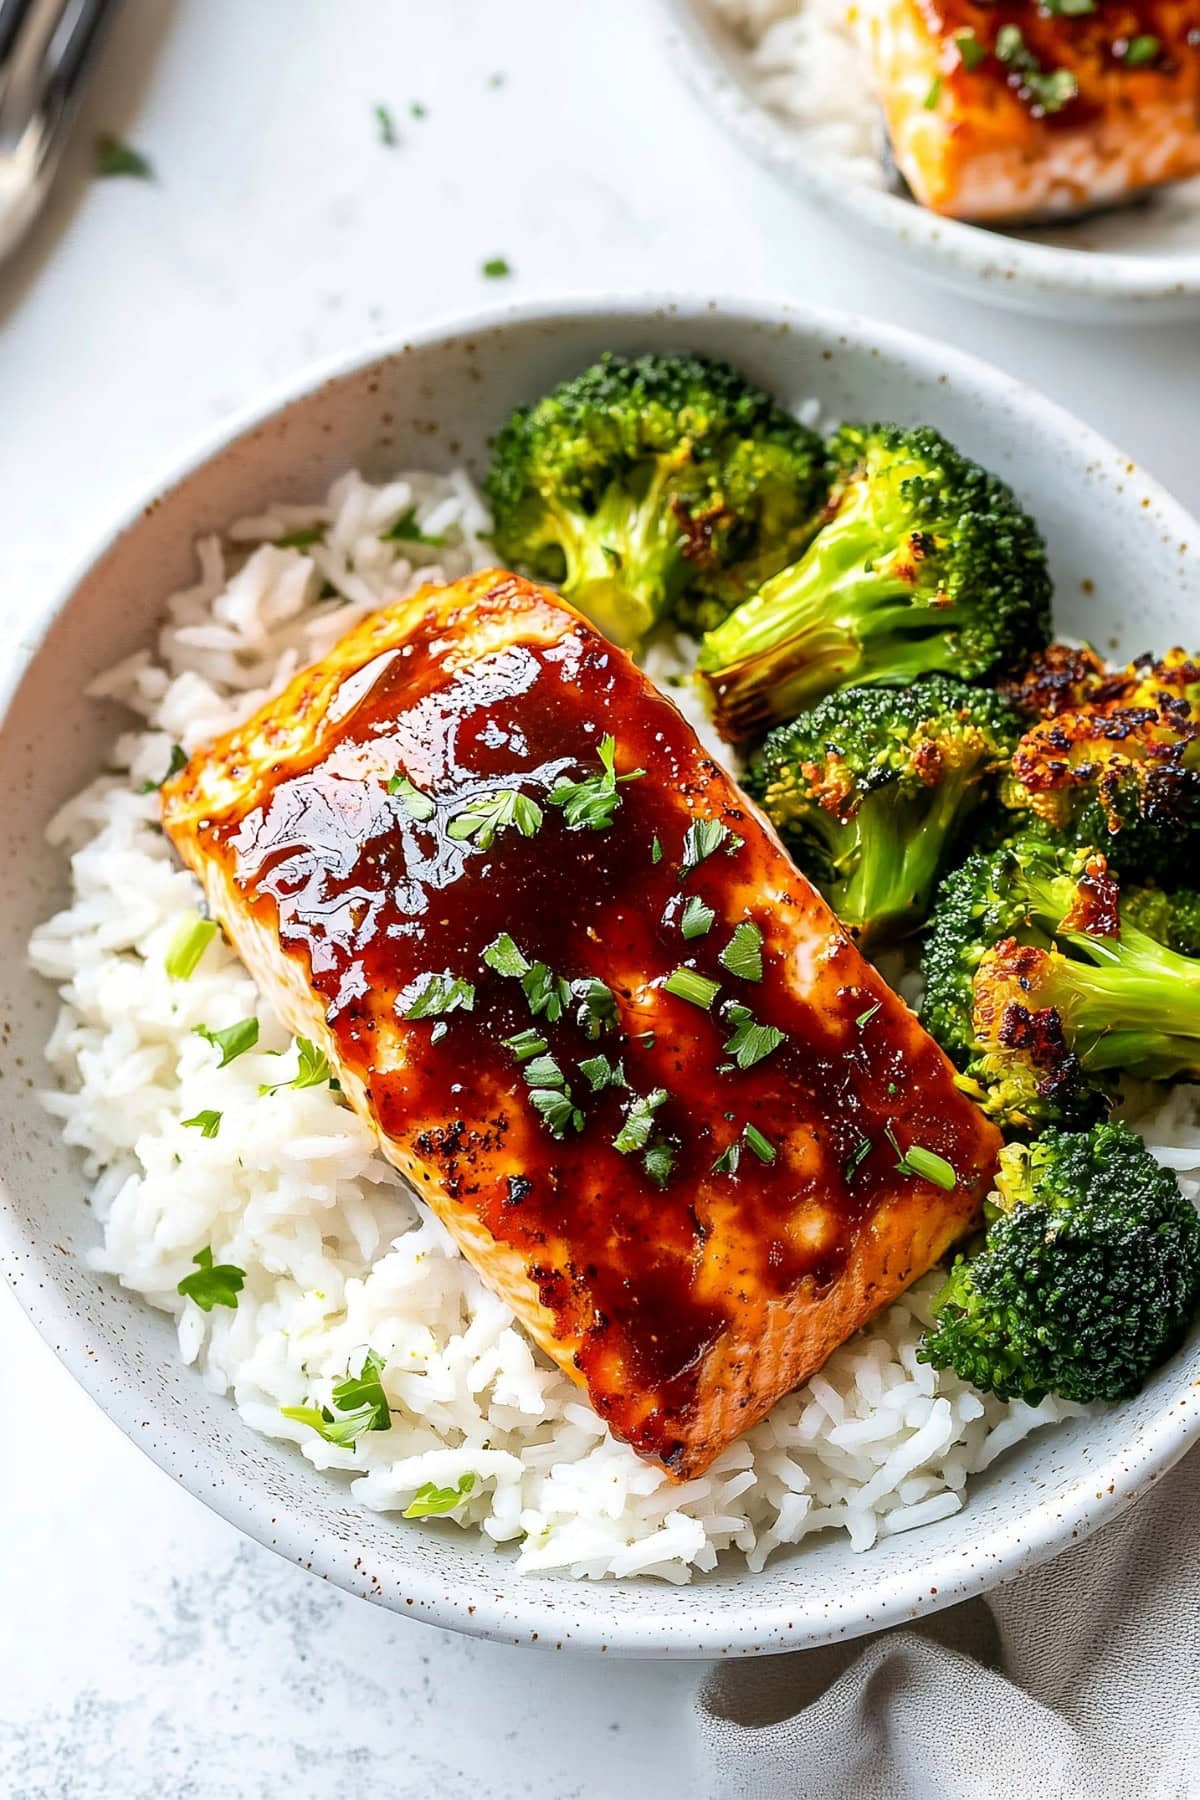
pixel 1079 1681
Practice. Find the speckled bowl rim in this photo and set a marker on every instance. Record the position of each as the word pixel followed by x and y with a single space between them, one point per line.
pixel 521 1610
pixel 1005 271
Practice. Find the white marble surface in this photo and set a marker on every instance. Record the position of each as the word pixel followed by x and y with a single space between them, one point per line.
pixel 146 1651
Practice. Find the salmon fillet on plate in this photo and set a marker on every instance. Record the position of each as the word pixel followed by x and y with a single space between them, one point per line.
pixel 1024 110
pixel 566 971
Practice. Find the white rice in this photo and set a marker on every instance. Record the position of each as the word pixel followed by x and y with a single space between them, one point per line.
pixel 338 1257
pixel 806 61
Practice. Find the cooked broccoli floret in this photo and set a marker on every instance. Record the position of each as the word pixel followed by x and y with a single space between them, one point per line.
pixel 662 484
pixel 871 787
pixel 1043 989
pixel 1087 1279
pixel 1121 768
pixel 1174 919
pixel 924 564
pixel 1055 680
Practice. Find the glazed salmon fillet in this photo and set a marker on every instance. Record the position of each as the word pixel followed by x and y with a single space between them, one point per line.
pixel 1019 110
pixel 566 971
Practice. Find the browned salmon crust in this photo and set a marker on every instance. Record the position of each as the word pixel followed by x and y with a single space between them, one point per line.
pixel 690 1227
pixel 1018 110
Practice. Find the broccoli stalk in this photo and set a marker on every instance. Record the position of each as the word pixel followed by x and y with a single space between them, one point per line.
pixel 662 486
pixel 1041 986
pixel 924 563
pixel 871 788
pixel 1086 1281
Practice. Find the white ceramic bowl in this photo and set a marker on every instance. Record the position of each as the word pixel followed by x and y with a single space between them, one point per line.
pixel 1139 265
pixel 1127 564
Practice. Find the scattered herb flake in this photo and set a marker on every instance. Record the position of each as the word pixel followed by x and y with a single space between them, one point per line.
pixel 697 918
pixel 1052 89
pixel 431 995
pixel 360 1403
pixel 600 1073
pixel 864 1018
pixel 1010 44
pixel 302 539
pixel 702 839
pixel 934 94
pixel 407 531
pixel 639 1121
pixel 749 1042
pixel 1141 51
pixel 930 1167
pixel 855 1160
pixel 658 1161
pixel 417 805
pixel 762 1146
pixel 233 1041
pixel 556 1109
pixel 116 158
pixel 417 109
pixel 206 1123
pixel 546 993
pixel 178 761
pixel 742 955
pixel 596 1006
pixel 590 804
pixel 188 945
pixel 971 52
pixel 690 985
pixel 1067 9
pixel 656 849
pixel 730 1157
pixel 387 126
pixel 212 1284
pixel 496 268
pixel 503 955
pixel 489 814
pixel 544 1071
pixel 431 1502
pixel 525 1044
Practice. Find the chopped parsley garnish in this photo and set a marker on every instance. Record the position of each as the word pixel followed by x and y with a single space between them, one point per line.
pixel 417 805
pixel 431 995
pixel 495 268
pixel 312 1070
pixel 557 1110
pixel 697 918
pixel 407 531
pixel 658 1161
pixel 487 815
pixel 302 539
pixel 590 804
pixel 543 1071
pixel 934 94
pixel 600 1073
pixel 864 1018
pixel 360 1403
pixel 749 1042
pixel 762 1146
pixel 206 1123
pixel 387 127
pixel 525 1044
pixel 187 946
pixel 233 1041
pixel 1140 51
pixel 546 994
pixel 1010 44
pixel 703 838
pixel 639 1121
pixel 656 849
pixel 212 1284
pixel 926 1164
pixel 1051 89
pixel 742 955
pixel 503 955
pixel 690 985
pixel 432 1502
pixel 856 1159
pixel 595 1006
pixel 115 158
pixel 971 51
pixel 178 761
pixel 417 109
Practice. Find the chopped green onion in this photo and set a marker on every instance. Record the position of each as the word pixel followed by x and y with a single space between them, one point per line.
pixel 496 267
pixel 697 918
pixel 1142 50
pixel 431 995
pixel 742 955
pixel 762 1146
pixel 525 1044
pixel 690 985
pixel 432 1502
pixel 864 1018
pixel 730 1157
pixel 934 95
pixel 639 1121
pixel 855 1160
pixel 971 51
pixel 489 814
pixel 212 1284
pixel 188 945
pixel 930 1166
pixel 503 956
pixel 232 1041
pixel 1052 89
pixel 206 1123
pixel 417 805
